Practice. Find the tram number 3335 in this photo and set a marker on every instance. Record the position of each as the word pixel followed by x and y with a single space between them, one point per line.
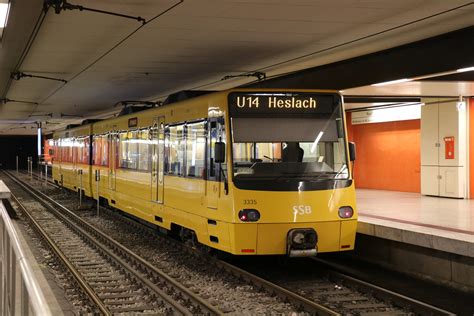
pixel 302 209
pixel 250 202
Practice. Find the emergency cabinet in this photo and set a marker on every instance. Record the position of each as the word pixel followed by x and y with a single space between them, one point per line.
pixel 443 148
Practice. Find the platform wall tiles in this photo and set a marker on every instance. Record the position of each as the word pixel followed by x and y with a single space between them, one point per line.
pixel 443 148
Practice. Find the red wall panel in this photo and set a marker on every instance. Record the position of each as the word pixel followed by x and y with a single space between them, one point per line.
pixel 471 147
pixel 388 155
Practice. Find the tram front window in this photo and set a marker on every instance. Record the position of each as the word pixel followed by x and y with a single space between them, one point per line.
pixel 306 148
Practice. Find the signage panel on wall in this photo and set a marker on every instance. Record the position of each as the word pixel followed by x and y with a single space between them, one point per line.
pixel 400 113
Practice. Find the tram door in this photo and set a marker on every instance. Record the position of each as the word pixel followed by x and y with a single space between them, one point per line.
pixel 113 155
pixel 157 138
pixel 216 133
pixel 75 151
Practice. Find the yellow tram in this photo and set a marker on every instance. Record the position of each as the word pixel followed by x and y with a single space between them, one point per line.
pixel 248 172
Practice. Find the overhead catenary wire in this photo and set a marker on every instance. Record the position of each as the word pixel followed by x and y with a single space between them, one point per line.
pixel 26 49
pixel 36 30
pixel 246 74
pixel 365 37
pixel 110 50
pixel 43 14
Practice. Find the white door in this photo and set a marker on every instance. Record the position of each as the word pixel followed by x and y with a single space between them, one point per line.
pixel 429 135
pixel 430 180
pixel 451 182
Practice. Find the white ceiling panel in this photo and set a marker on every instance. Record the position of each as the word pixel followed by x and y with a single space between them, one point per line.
pixel 106 58
pixel 417 88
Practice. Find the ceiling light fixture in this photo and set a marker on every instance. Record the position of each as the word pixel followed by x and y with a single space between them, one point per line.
pixel 439 74
pixel 465 69
pixel 391 82
pixel 4 10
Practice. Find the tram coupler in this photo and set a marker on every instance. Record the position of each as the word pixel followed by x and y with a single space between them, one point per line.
pixel 301 242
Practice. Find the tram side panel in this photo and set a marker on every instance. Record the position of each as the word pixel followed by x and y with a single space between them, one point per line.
pixel 194 195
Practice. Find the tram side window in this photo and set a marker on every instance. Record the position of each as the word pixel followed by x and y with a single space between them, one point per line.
pixel 100 149
pixel 66 149
pixel 104 151
pixel 143 155
pixel 95 150
pixel 134 150
pixel 77 150
pixel 86 151
pixel 57 152
pixel 195 149
pixel 82 150
pixel 128 150
pixel 174 150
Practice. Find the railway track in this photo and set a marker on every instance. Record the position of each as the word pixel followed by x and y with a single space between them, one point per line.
pixel 408 304
pixel 303 305
pixel 114 278
pixel 336 292
pixel 351 296
pixel 331 294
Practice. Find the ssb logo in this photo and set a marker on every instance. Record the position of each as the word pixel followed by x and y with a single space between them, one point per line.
pixel 302 209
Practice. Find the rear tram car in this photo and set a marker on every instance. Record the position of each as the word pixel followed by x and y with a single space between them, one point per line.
pixel 248 172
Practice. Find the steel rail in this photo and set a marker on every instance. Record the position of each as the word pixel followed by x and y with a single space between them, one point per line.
pixel 382 294
pixel 302 303
pixel 201 305
pixel 41 198
pixel 35 174
pixel 385 295
pixel 66 262
pixel 285 295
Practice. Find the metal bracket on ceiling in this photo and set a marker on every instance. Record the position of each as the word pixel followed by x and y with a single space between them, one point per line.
pixel 6 100
pixel 61 5
pixel 70 115
pixel 129 102
pixel 259 75
pixel 50 115
pixel 18 75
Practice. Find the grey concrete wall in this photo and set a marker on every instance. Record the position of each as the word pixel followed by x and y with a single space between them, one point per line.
pixel 445 268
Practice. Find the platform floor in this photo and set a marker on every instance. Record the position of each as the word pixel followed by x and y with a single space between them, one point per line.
pixel 441 223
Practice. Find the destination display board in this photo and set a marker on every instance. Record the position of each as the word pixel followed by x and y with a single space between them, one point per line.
pixel 282 104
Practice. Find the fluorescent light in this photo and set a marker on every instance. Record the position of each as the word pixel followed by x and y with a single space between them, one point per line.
pixel 316 141
pixel 391 82
pixel 465 69
pixel 39 141
pixel 4 14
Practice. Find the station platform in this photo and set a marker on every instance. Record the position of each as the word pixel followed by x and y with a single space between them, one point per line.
pixel 443 224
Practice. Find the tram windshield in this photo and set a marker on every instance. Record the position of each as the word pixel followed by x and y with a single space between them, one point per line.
pixel 281 147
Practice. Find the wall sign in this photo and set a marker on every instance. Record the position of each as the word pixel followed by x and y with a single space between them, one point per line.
pixel 449 147
pixel 402 113
pixel 282 104
pixel 133 122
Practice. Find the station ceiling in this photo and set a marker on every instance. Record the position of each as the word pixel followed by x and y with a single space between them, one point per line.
pixel 183 45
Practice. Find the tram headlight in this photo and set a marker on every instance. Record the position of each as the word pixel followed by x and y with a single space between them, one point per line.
pixel 249 215
pixel 346 212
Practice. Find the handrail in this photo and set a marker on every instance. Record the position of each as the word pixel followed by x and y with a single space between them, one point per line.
pixel 12 259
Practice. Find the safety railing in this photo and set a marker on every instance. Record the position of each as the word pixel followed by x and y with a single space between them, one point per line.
pixel 19 289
